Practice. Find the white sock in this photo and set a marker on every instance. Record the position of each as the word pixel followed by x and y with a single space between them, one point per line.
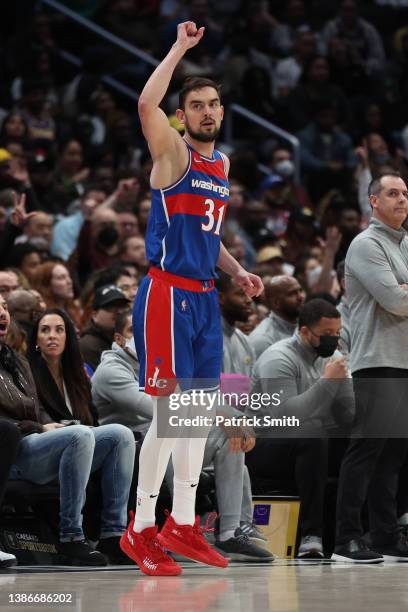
pixel 145 515
pixel 226 535
pixel 153 460
pixel 184 496
pixel 187 457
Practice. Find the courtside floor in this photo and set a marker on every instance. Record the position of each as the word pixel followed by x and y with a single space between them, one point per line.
pixel 283 586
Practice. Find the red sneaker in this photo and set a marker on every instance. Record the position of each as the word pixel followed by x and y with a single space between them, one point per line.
pixel 190 542
pixel 146 551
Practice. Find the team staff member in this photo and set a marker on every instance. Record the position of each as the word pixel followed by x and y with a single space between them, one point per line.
pixel 377 290
pixel 316 391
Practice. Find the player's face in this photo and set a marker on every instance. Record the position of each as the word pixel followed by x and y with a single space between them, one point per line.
pixel 391 205
pixel 202 114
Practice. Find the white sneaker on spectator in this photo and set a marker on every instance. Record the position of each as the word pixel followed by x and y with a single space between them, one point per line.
pixel 7 560
pixel 311 547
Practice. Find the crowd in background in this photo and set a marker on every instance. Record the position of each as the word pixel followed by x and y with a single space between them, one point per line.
pixel 74 168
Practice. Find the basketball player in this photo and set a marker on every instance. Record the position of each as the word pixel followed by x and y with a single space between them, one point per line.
pixel 176 317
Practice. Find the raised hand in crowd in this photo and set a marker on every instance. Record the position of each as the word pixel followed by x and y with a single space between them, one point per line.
pixel 19 215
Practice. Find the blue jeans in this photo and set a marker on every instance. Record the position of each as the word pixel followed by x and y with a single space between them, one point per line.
pixel 69 455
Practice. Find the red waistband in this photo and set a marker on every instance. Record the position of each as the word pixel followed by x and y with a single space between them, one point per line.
pixel 180 282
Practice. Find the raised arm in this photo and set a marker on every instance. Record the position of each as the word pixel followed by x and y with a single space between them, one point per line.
pixel 161 138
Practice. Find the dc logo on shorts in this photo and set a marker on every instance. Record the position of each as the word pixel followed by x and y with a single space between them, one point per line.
pixel 184 305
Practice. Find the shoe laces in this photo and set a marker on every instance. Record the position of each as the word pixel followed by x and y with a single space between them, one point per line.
pixel 200 530
pixel 153 545
pixel 242 539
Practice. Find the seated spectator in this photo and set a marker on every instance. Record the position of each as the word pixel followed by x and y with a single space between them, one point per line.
pixel 270 261
pixel 26 257
pixel 289 70
pixel 9 442
pixel 120 277
pixel 53 280
pixel 41 305
pixel 56 449
pixel 346 71
pixel 23 308
pixel 97 336
pixel 133 250
pixel 14 176
pixel 300 236
pixel 127 222
pixel 38 230
pixel 314 88
pixel 41 170
pixel 14 127
pixel 17 338
pixel 70 175
pixel 257 96
pixel 41 126
pixel 294 19
pixel 298 367
pixel 20 281
pixel 235 246
pixel 281 164
pixel 327 152
pixel 115 383
pixel 7 283
pixel 362 36
pixel 64 391
pixel 67 230
pixel 284 297
pixel 98 242
pixel 143 207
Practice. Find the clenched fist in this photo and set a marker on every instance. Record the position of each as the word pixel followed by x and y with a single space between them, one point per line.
pixel 188 35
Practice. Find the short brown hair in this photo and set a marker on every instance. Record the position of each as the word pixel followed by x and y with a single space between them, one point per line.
pixel 193 83
pixel 375 186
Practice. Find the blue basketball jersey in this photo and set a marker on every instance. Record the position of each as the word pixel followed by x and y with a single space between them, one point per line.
pixel 185 225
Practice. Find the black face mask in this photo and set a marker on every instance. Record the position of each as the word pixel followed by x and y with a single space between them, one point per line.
pixel 327 346
pixel 107 236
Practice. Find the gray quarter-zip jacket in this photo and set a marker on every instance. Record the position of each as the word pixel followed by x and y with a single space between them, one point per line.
pixel 376 266
pixel 272 329
pixel 292 369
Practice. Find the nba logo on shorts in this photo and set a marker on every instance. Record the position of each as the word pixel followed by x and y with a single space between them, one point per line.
pixel 184 305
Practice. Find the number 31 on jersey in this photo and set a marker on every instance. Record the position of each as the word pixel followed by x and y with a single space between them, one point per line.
pixel 209 213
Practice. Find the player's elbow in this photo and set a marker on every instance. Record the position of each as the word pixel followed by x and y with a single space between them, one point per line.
pixel 142 106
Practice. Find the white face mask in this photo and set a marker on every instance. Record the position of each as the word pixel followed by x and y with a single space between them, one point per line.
pixel 130 346
pixel 285 168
